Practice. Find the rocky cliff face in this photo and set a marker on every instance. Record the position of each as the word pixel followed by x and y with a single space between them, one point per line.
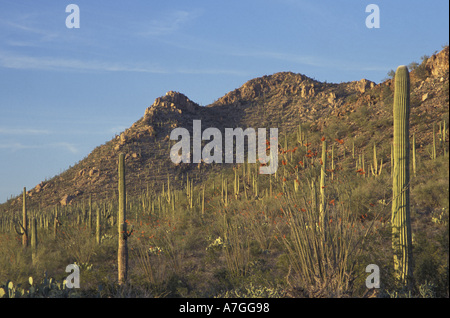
pixel 172 102
pixel 288 84
pixel 437 64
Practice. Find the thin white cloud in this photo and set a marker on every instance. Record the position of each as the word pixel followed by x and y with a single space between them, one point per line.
pixel 168 23
pixel 193 43
pixel 23 131
pixel 273 55
pixel 20 44
pixel 61 64
pixel 212 71
pixel 23 32
pixel 8 60
pixel 117 130
pixel 64 145
pixel 16 146
pixel 45 34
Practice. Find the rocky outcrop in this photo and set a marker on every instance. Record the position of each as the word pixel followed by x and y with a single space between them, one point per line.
pixel 172 102
pixel 278 84
pixel 290 84
pixel 437 64
pixel 364 85
pixel 66 200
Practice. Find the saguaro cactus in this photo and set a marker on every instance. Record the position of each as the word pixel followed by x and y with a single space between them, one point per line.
pixel 433 151
pixel 24 225
pixel 34 241
pixel 414 154
pixel 90 212
pixel 322 183
pixel 97 227
pixel 25 221
pixel 401 223
pixel 122 253
pixel 374 166
pixel 55 224
pixel 300 135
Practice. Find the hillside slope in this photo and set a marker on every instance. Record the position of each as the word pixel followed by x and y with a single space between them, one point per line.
pixel 358 111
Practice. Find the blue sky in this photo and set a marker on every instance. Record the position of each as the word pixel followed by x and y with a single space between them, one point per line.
pixel 65 91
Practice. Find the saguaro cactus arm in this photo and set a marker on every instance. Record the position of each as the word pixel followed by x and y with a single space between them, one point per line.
pixel 20 231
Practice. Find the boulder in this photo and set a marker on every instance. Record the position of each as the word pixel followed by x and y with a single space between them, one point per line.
pixel 93 171
pixel 66 200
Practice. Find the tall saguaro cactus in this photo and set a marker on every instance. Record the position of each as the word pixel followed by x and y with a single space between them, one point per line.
pixel 24 225
pixel 414 154
pixel 401 222
pixel 322 183
pixel 374 167
pixel 34 241
pixel 97 227
pixel 90 212
pixel 123 248
pixel 25 221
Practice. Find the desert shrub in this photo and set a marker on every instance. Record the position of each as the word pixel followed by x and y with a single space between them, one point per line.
pixel 430 190
pixel 253 291
pixel 431 260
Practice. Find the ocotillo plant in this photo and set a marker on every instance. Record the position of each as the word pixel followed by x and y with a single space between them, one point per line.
pixel 401 223
pixel 203 200
pixel 122 254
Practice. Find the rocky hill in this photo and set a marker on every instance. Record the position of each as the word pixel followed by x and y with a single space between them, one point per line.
pixel 359 110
